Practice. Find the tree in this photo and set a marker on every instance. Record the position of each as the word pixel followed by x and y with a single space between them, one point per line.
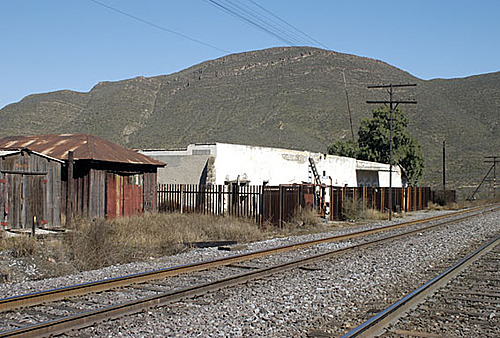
pixel 347 148
pixel 373 143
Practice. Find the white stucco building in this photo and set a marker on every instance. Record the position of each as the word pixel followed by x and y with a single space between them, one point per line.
pixel 222 163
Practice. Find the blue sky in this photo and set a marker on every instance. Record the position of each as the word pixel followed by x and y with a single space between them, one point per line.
pixel 73 44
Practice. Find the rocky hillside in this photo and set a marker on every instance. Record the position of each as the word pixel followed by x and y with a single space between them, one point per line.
pixel 245 98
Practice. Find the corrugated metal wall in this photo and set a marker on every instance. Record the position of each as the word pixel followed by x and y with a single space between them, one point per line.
pixel 124 194
pixel 32 185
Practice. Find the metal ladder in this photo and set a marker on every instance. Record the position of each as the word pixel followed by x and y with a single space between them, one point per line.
pixel 317 179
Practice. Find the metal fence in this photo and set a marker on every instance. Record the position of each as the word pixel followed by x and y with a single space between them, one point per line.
pixel 278 204
pixel 239 201
pixel 404 199
pixel 265 204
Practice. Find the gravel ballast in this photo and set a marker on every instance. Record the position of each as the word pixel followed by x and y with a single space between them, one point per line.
pixel 330 298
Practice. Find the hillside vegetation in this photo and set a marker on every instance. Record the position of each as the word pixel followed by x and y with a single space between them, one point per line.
pixel 244 98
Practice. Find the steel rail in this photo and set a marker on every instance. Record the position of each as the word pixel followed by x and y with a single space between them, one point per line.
pixel 40 297
pixel 88 318
pixel 376 324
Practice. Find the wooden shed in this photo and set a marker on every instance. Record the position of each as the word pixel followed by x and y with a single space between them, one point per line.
pixel 98 178
pixel 30 189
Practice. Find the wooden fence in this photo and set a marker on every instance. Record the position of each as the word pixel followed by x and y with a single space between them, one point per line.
pixel 278 204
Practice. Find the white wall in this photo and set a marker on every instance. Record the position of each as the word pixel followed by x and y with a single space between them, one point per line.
pixel 383 172
pixel 342 170
pixel 255 165
pixel 383 177
pixel 259 164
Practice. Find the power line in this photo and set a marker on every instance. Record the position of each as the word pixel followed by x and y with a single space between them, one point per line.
pixel 288 24
pixel 266 21
pixel 490 159
pixel 226 9
pixel 149 23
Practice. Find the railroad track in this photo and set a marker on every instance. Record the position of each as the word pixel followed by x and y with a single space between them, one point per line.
pixel 143 293
pixel 463 300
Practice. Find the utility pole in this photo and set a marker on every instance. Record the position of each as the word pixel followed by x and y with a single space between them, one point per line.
pixel 444 170
pixel 393 104
pixel 348 105
pixel 494 160
pixel 70 189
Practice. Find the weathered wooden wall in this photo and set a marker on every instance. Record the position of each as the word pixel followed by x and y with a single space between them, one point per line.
pixel 30 186
pixel 150 186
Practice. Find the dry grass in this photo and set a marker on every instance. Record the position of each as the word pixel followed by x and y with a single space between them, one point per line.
pixel 92 245
pixel 304 221
pixel 165 233
pixel 358 211
pixel 98 243
pixel 462 204
pixel 21 246
pixel 306 217
pixel 101 243
pixel 372 214
pixel 49 255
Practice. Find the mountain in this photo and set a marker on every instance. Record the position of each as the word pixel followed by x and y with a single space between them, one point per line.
pixel 245 98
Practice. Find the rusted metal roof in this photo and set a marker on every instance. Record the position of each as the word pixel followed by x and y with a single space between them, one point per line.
pixel 13 151
pixel 8 152
pixel 84 147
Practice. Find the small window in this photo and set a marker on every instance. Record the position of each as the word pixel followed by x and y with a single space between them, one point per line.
pixel 201 151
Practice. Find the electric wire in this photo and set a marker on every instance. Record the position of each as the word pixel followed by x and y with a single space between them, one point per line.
pixel 291 38
pixel 149 23
pixel 253 14
pixel 288 24
pixel 266 21
pixel 227 9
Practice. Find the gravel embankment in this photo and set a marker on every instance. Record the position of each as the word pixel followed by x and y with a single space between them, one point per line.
pixel 467 306
pixel 327 299
pixel 331 299
pixel 30 283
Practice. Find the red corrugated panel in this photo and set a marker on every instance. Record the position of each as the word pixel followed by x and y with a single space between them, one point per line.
pixel 132 204
pixel 111 200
